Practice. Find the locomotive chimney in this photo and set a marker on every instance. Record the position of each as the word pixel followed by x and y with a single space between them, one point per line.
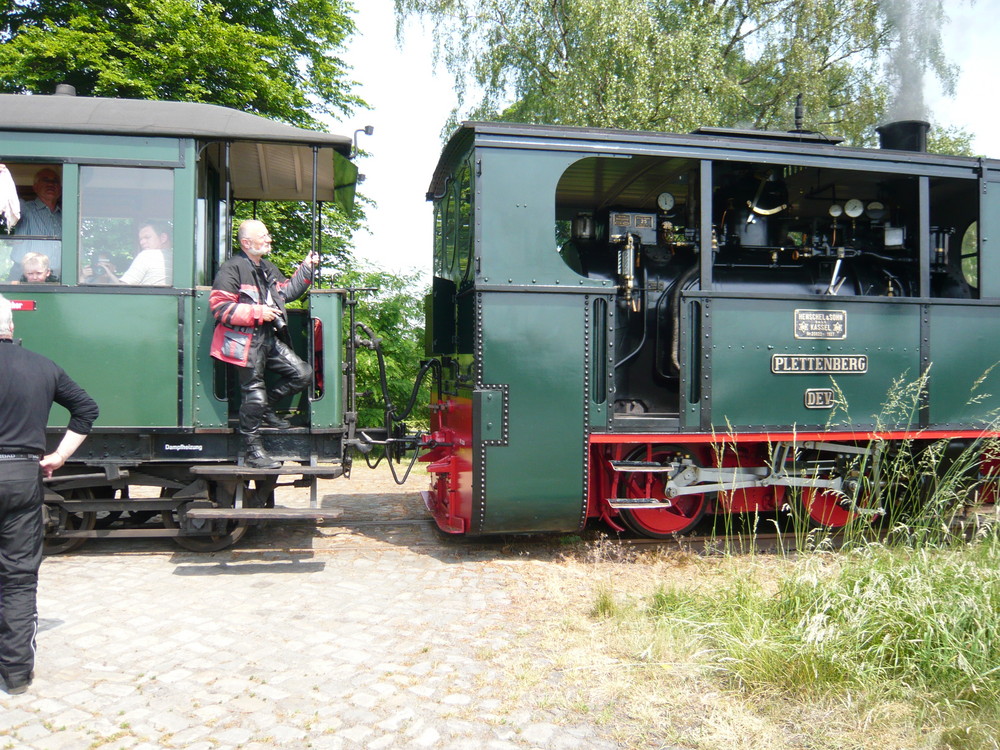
pixel 904 135
pixel 65 89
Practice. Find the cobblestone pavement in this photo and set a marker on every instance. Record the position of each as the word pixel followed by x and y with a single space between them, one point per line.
pixel 375 632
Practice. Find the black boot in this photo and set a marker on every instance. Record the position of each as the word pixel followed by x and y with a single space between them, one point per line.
pixel 256 457
pixel 272 420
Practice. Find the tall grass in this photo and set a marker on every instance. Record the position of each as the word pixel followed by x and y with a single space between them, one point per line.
pixel 915 491
pixel 908 611
pixel 916 626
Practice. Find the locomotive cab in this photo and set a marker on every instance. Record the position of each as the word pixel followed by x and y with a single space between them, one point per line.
pixel 775 228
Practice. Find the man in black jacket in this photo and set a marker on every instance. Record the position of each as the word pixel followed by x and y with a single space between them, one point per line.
pixel 29 385
pixel 248 301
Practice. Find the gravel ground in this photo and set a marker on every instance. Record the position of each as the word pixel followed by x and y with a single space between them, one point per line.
pixel 372 630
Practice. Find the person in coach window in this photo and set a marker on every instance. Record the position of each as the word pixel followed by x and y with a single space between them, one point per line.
pixel 35 269
pixel 41 216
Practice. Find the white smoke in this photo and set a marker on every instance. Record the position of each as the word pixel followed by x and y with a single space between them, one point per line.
pixel 917 23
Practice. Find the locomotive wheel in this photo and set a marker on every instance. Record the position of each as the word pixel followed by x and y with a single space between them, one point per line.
pixel 235 529
pixel 825 510
pixel 86 521
pixel 683 513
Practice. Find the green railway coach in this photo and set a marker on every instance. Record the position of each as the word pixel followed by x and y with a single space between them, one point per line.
pixel 141 347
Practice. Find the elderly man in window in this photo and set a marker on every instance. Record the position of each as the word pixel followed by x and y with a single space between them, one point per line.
pixel 40 217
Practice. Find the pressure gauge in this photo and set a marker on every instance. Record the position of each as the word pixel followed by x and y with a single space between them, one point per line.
pixel 854 208
pixel 875 210
pixel 665 201
pixel 836 210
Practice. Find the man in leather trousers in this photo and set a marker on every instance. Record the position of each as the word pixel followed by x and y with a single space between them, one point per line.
pixel 248 302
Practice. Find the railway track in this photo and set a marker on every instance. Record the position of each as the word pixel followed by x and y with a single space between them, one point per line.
pixel 334 534
pixel 383 513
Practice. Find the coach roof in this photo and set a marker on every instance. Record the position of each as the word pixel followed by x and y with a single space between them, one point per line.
pixel 100 116
pixel 270 160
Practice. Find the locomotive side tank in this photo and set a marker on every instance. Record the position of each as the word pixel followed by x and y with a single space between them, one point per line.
pixel 646 327
pixel 142 349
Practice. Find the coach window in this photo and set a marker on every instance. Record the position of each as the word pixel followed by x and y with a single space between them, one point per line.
pixel 33 232
pixel 211 217
pixel 126 235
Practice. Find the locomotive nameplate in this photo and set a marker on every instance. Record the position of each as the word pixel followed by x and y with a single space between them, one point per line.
pixel 821 324
pixel 819 398
pixel 819 364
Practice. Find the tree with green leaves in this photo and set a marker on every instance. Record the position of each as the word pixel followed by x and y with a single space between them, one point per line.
pixel 674 65
pixel 394 311
pixel 277 58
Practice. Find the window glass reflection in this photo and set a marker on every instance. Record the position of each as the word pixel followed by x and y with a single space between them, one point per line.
pixel 125 232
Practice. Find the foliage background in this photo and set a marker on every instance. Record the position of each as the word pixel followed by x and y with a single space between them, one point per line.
pixel 281 59
pixel 675 65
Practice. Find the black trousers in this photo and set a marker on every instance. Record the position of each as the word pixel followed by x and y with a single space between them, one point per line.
pixel 21 531
pixel 269 353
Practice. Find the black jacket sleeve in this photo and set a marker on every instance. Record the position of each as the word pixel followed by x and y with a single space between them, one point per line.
pixel 82 408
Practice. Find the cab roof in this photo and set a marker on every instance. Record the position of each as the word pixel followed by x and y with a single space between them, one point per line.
pixel 704 143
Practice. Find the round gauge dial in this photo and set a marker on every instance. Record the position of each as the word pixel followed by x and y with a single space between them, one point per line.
pixel 875 210
pixel 854 208
pixel 665 201
pixel 836 210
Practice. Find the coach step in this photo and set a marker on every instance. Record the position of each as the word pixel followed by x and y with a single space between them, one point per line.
pixel 263 514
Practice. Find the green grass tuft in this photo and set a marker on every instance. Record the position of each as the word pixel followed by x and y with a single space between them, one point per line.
pixel 904 625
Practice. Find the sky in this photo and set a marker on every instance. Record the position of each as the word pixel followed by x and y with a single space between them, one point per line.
pixel 411 100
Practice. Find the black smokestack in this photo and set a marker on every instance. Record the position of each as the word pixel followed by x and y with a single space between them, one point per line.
pixel 904 135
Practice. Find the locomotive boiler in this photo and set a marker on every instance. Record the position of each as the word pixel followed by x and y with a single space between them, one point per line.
pixel 645 328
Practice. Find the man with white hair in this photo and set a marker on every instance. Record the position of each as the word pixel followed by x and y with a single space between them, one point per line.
pixel 248 301
pixel 29 385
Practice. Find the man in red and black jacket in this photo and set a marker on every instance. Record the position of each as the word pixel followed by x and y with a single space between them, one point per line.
pixel 248 301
